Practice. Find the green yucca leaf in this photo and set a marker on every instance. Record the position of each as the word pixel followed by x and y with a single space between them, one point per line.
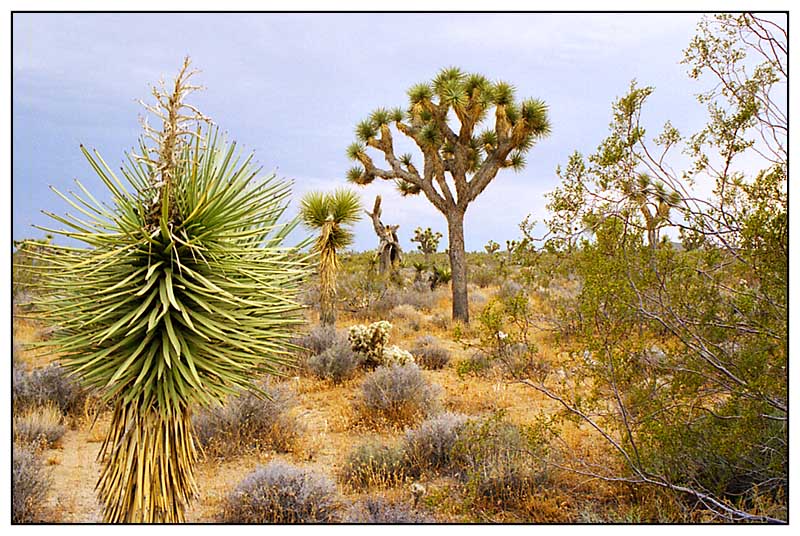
pixel 512 113
pixel 366 131
pixel 453 94
pixel 430 135
pixel 128 308
pixel 397 114
pixel 534 112
pixel 503 93
pixel 356 175
pixel 354 150
pixel 380 117
pixel 477 81
pixel 488 138
pixel 517 161
pixel 405 159
pixel 446 77
pixel 406 188
pixel 419 93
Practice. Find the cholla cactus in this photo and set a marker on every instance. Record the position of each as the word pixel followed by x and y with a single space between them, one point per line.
pixel 394 355
pixel 370 340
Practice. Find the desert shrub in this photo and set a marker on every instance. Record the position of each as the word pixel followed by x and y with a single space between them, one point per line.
pixel 419 297
pixel 509 290
pixel 499 461
pixel 282 493
pixel 39 424
pixel 367 295
pixel 476 296
pixel 483 276
pixel 249 422
pixel 48 385
pixel 319 339
pixel 337 363
pixel 428 354
pixel 411 318
pixel 382 511
pixel 430 445
pixel 441 321
pixel 476 364
pixel 398 393
pixel 373 464
pixel 30 484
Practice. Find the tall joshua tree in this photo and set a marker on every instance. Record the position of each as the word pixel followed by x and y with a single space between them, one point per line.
pixel 445 120
pixel 330 214
pixel 182 296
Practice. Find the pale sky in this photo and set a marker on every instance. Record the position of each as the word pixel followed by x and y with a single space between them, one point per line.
pixel 292 87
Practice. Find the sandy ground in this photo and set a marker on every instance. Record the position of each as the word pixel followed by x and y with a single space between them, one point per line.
pixel 332 428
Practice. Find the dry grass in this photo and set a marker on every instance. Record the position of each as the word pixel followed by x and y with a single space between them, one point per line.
pixel 332 428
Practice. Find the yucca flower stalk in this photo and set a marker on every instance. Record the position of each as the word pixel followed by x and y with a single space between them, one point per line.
pixel 330 213
pixel 182 296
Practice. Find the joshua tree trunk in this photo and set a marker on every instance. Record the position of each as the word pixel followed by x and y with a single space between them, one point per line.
pixel 328 266
pixel 458 266
pixel 389 252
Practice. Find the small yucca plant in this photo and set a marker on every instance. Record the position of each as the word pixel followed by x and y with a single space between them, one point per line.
pixel 183 295
pixel 330 213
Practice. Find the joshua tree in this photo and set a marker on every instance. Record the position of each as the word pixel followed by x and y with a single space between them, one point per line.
pixel 330 213
pixel 654 203
pixel 183 296
pixel 389 251
pixel 491 247
pixel 442 120
pixel 427 241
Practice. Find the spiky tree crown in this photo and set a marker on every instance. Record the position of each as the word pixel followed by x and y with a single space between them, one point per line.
pixel 469 151
pixel 338 210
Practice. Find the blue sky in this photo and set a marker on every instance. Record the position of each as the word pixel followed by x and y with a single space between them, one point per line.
pixel 292 87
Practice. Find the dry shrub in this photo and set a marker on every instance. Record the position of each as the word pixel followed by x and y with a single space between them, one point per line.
pixel 282 493
pixel 30 484
pixel 499 461
pixel 39 424
pixel 373 464
pixel 51 385
pixel 411 319
pixel 428 354
pixel 399 394
pixel 249 422
pixel 429 447
pixel 319 339
pixel 379 510
pixel 338 363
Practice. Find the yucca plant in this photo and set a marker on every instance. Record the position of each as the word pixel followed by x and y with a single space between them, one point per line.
pixel 330 213
pixel 183 296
